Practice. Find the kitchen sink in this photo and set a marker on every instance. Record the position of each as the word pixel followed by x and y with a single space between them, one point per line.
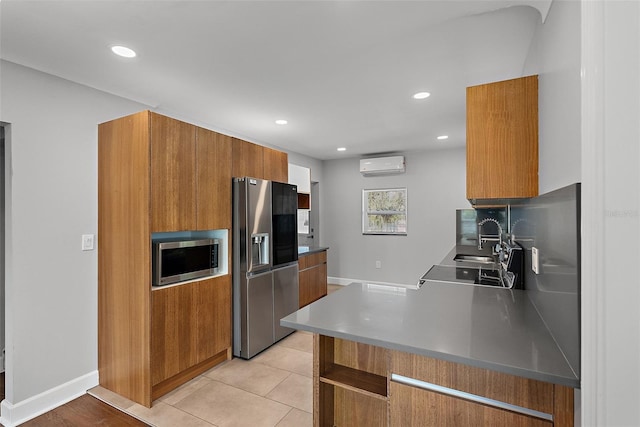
pixel 462 275
pixel 480 259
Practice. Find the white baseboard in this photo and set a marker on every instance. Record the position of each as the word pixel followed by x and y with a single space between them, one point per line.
pixel 344 282
pixel 15 414
pixel 339 281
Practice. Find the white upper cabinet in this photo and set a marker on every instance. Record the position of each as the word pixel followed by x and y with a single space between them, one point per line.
pixel 300 176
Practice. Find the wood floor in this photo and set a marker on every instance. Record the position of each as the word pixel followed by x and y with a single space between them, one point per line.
pixel 83 411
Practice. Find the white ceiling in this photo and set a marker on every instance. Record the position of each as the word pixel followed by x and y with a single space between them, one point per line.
pixel 341 72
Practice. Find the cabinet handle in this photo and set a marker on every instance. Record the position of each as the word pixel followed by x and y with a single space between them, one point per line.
pixel 468 396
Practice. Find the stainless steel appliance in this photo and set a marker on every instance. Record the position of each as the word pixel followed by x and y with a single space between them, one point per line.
pixel 265 267
pixel 176 260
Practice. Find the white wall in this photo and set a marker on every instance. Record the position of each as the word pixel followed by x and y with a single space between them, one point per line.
pixel 555 56
pixel 587 54
pixel 51 201
pixel 613 167
pixel 435 183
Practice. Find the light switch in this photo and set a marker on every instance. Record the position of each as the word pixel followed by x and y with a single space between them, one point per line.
pixel 534 260
pixel 87 242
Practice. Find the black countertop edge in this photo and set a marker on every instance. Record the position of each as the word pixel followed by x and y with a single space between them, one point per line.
pixel 308 250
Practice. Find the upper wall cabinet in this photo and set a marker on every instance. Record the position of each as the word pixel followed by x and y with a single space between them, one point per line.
pixel 173 169
pixel 190 176
pixel 300 176
pixel 275 165
pixel 213 180
pixel 248 159
pixel 256 161
pixel 502 140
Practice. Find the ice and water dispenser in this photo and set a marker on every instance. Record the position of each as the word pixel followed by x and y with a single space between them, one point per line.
pixel 259 249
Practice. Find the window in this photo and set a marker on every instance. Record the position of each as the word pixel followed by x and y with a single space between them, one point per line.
pixel 384 211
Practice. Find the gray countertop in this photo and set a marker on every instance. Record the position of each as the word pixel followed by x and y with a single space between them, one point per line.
pixel 492 328
pixel 307 250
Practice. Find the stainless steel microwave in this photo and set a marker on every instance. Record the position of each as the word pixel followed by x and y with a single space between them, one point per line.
pixel 179 260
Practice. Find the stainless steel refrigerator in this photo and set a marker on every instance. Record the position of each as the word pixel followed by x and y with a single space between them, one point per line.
pixel 265 263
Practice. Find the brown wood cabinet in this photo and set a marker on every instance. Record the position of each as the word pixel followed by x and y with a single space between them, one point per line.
pixel 173 331
pixel 213 180
pixel 363 385
pixel 248 159
pixel 190 176
pixel 411 406
pixel 124 257
pixel 260 162
pixel 190 329
pixel 304 201
pixel 158 174
pixel 173 174
pixel 350 383
pixel 312 277
pixel 190 324
pixel 275 165
pixel 502 139
pixel 448 408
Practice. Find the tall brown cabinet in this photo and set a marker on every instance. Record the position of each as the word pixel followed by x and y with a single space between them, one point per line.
pixel 157 174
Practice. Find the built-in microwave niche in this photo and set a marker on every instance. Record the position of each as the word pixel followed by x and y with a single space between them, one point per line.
pixel 222 237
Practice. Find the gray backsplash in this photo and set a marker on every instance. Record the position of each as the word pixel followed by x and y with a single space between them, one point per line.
pixel 551 223
pixel 466 225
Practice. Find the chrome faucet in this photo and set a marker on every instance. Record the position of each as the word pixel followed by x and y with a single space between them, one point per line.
pixel 489 237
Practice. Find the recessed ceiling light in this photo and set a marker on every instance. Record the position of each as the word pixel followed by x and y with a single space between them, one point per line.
pixel 443 137
pixel 281 122
pixel 123 51
pixel 342 149
pixel 421 95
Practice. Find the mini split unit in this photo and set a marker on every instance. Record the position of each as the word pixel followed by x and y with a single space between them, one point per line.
pixel 382 165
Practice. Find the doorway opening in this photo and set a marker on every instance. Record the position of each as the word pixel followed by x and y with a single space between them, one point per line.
pixel 310 235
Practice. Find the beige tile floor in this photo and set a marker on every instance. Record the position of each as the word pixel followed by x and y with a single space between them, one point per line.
pixel 274 389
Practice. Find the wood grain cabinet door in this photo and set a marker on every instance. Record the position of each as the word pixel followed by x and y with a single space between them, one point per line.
pixel 318 282
pixel 213 301
pixel 411 406
pixel 173 331
pixel 173 190
pixel 276 165
pixel 312 279
pixel 248 159
pixel 304 287
pixel 502 139
pixel 213 180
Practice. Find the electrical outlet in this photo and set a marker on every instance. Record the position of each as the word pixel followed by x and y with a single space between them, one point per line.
pixel 87 242
pixel 378 264
pixel 535 260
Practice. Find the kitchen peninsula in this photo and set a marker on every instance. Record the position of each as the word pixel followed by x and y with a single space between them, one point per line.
pixel 444 354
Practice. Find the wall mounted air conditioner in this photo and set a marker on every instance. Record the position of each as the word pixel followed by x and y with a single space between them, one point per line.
pixel 382 165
